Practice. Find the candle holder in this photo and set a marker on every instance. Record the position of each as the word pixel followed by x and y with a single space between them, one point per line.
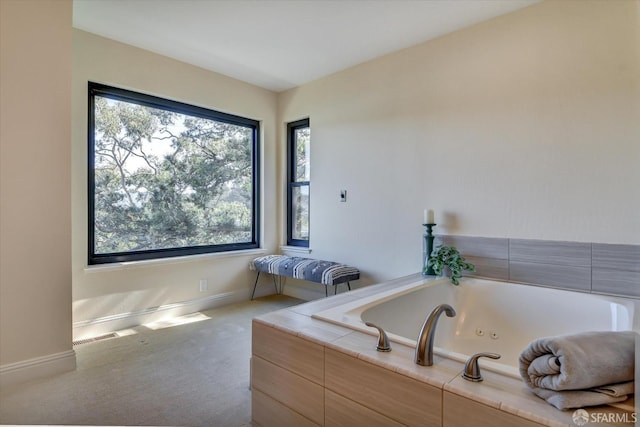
pixel 428 248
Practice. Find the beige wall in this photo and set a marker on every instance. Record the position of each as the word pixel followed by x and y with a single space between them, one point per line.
pixel 35 181
pixel 525 126
pixel 127 292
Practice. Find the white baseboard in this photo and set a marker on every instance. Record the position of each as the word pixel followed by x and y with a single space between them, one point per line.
pixel 39 367
pixel 103 325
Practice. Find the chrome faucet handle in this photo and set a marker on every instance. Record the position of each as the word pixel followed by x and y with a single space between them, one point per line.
pixel 472 368
pixel 383 340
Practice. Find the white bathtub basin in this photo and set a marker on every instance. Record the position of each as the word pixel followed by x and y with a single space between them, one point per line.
pixel 498 317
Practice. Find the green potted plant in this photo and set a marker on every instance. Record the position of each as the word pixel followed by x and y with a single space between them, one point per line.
pixel 449 257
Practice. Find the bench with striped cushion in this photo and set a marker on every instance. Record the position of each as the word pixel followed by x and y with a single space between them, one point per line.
pixel 327 273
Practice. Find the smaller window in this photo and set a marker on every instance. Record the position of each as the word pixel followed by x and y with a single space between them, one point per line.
pixel 299 173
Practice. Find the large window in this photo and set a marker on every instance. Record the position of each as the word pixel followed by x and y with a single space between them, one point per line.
pixel 299 148
pixel 168 179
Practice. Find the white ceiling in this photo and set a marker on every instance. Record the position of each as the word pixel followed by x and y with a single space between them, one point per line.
pixel 280 44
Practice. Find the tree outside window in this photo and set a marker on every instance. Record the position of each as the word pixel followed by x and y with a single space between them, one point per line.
pixel 167 179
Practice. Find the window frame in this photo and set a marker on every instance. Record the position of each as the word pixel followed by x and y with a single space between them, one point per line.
pixel 292 183
pixel 119 94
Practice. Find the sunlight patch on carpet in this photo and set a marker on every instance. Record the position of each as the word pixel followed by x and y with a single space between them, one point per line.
pixel 176 321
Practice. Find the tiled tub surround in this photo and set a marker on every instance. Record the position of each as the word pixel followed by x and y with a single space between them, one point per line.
pixel 307 372
pixel 600 268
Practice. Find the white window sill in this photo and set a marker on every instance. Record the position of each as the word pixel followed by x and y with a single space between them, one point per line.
pixel 296 250
pixel 167 261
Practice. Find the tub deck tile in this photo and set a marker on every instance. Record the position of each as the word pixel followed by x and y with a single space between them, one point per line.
pixel 323 332
pixel 509 395
pixel 316 331
pixel 513 396
pixel 399 359
pixel 332 301
pixel 285 320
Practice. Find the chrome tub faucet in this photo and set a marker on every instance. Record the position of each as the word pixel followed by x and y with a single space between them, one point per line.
pixel 424 348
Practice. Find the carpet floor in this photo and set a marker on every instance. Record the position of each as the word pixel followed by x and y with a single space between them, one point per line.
pixel 193 371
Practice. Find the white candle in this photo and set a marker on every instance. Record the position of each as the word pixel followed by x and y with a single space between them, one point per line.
pixel 424 217
pixel 430 217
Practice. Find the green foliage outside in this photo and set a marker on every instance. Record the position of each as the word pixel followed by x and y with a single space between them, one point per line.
pixel 166 180
pixel 300 203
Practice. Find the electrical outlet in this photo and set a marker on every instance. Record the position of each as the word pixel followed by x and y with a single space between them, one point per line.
pixel 204 285
pixel 343 195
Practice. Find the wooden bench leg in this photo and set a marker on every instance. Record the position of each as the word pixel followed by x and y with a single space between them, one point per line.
pixel 275 284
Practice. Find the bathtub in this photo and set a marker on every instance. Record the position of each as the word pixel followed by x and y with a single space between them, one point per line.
pixel 492 316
